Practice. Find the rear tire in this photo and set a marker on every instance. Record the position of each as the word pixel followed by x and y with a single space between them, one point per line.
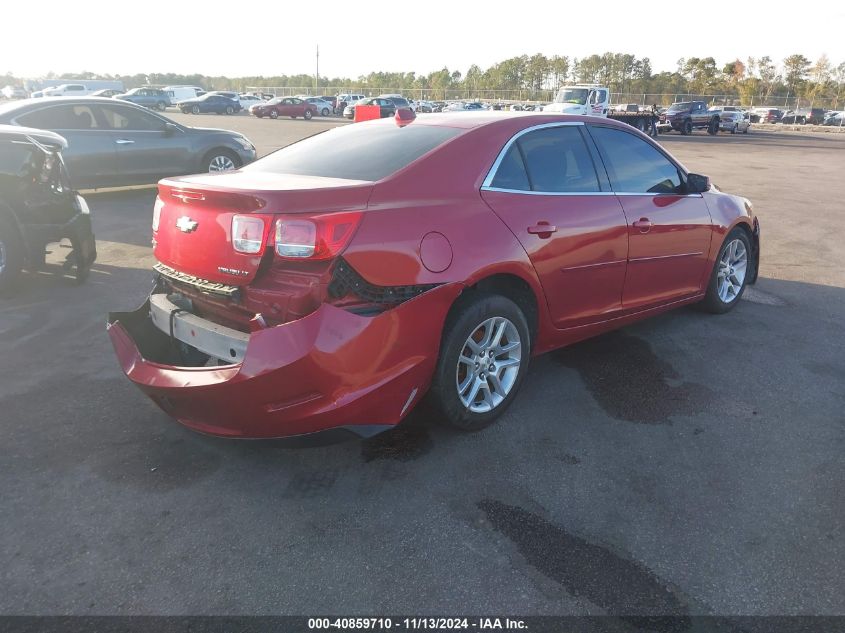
pixel 11 254
pixel 730 273
pixel 161 106
pixel 230 110
pixel 733 130
pixel 325 112
pixel 473 387
pixel 308 115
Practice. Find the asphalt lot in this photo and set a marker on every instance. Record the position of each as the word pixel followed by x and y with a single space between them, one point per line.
pixel 690 464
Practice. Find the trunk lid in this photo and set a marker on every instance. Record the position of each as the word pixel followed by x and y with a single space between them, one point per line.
pixel 194 229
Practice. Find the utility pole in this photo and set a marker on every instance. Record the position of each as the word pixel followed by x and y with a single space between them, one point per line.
pixel 317 76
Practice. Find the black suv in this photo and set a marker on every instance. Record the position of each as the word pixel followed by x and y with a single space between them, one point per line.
pixel 814 116
pixel 38 206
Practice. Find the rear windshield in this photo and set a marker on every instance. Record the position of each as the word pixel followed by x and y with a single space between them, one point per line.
pixel 356 152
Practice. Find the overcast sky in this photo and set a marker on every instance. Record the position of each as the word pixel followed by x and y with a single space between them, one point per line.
pixel 279 37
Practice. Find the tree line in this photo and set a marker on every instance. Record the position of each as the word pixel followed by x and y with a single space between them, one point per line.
pixel 537 77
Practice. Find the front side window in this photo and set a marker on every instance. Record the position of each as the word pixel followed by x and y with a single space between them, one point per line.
pixel 17 160
pixel 634 165
pixel 572 95
pixel 131 119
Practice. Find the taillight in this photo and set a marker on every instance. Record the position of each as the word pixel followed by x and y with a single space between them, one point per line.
pixel 315 237
pixel 247 233
pixel 157 213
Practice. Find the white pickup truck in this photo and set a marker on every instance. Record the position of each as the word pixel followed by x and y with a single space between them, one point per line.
pixel 594 100
pixel 67 90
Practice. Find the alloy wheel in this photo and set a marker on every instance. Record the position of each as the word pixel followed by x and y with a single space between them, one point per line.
pixel 488 365
pixel 221 163
pixel 733 265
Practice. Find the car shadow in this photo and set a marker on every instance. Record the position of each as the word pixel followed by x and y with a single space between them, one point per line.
pixel 761 138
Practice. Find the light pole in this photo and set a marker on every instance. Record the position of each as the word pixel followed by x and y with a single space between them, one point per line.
pixel 317 75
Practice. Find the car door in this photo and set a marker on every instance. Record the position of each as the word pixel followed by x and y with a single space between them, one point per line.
pixel 299 107
pixel 700 116
pixel 91 153
pixel 286 107
pixel 147 148
pixel 546 188
pixel 213 104
pixel 669 231
pixel 386 107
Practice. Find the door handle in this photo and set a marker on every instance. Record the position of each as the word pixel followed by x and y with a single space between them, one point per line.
pixel 542 229
pixel 124 141
pixel 643 224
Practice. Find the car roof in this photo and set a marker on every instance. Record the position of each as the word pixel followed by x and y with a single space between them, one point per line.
pixel 19 133
pixel 500 118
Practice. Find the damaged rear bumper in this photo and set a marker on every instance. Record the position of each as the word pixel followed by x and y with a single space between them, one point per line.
pixel 328 370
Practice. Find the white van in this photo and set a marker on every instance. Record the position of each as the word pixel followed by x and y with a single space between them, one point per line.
pixel 180 93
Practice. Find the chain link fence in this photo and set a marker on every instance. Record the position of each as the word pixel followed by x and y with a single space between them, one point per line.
pixel 546 96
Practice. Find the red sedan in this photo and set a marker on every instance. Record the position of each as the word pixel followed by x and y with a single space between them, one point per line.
pixel 336 282
pixel 284 106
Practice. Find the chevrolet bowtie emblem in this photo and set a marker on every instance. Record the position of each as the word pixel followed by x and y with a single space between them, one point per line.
pixel 186 224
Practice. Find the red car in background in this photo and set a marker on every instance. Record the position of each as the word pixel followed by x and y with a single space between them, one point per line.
pixel 337 281
pixel 284 106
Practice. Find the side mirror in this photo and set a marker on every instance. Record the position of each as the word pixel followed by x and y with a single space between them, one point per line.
pixel 170 129
pixel 696 183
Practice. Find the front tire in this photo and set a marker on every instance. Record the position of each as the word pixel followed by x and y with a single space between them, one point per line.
pixel 230 110
pixel 733 130
pixel 484 356
pixel 308 115
pixel 274 114
pixel 195 109
pixel 730 273
pixel 325 112
pixel 686 130
pixel 161 106
pixel 220 160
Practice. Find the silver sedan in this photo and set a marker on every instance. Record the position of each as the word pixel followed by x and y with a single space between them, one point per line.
pixel 113 143
pixel 734 122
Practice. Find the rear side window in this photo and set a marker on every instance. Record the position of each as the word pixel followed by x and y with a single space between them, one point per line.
pixel 548 160
pixel 633 165
pixel 511 173
pixel 557 160
pixel 356 152
pixel 63 117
